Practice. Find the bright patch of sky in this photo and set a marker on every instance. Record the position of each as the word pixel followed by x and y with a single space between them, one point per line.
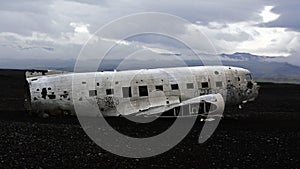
pixel 267 14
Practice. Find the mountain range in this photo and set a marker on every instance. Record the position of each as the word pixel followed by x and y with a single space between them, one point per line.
pixel 264 68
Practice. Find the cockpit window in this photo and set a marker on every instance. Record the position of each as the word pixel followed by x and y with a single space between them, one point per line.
pixel 248 77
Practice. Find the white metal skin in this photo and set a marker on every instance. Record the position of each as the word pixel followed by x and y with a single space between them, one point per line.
pixel 146 91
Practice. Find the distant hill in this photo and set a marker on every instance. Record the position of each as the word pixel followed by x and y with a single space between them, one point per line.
pixel 261 66
pixel 238 56
pixel 264 68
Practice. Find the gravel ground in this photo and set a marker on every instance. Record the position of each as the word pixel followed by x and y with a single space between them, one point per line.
pixel 265 134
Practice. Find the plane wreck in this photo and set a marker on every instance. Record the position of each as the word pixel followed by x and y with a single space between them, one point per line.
pixel 145 92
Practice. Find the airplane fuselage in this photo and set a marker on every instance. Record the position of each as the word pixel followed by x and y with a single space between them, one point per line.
pixel 125 92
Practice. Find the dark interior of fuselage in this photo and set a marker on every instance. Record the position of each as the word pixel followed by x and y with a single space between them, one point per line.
pixel 188 110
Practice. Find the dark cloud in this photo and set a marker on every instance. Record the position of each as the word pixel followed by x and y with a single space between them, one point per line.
pixel 91 2
pixel 30 6
pixel 24 17
pixel 53 18
pixel 289 15
pixel 208 11
pixel 241 36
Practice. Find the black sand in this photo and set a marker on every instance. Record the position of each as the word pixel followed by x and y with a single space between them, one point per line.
pixel 264 134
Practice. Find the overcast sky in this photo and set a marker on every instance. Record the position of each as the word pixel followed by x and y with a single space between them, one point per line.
pixel 56 29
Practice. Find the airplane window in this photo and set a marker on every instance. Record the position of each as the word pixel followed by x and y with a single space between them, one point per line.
pixel 159 87
pixel 49 88
pixel 44 93
pixel 126 92
pixel 190 85
pixel 92 93
pixel 83 82
pixel 204 84
pixel 174 86
pixel 216 72
pixel 143 90
pixel 52 96
pixel 248 77
pixel 109 91
pixel 98 84
pixel 219 84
